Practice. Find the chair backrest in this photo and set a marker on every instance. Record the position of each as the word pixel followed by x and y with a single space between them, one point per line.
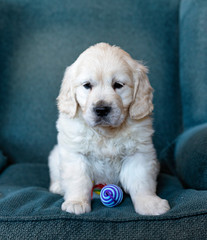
pixel 39 39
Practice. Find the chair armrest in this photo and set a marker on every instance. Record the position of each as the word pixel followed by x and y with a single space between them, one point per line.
pixel 191 157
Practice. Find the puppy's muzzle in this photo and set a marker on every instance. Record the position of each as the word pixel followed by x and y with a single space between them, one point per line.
pixel 105 114
pixel 102 111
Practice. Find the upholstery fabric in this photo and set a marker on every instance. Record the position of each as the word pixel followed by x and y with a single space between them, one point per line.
pixel 29 211
pixel 191 157
pixel 40 38
pixel 193 61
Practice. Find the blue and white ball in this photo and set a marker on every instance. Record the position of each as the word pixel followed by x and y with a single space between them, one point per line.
pixel 111 195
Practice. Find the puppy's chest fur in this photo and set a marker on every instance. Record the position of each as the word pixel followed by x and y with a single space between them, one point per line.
pixel 106 156
pixel 105 153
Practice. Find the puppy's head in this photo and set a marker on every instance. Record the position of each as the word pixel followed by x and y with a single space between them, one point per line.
pixel 107 85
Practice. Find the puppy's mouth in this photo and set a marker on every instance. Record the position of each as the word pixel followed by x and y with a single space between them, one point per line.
pixel 103 122
pixel 108 121
pixel 102 117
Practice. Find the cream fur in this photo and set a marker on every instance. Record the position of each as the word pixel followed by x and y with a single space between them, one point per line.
pixel 116 149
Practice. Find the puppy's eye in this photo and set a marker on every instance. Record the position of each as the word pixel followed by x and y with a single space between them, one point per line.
pixel 118 85
pixel 87 85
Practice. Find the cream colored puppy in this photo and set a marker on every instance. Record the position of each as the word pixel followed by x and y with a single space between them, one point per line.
pixel 105 131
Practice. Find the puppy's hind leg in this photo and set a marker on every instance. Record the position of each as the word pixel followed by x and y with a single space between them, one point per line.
pixel 54 167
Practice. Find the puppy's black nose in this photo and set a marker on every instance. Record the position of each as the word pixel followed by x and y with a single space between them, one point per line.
pixel 102 111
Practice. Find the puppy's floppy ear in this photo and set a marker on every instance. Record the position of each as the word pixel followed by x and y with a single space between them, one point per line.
pixel 66 99
pixel 142 99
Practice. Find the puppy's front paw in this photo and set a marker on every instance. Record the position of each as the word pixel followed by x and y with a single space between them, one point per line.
pixel 150 205
pixel 77 207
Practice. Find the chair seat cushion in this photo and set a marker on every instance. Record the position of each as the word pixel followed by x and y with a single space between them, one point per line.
pixel 26 203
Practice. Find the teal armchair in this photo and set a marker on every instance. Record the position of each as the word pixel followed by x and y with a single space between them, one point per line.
pixel 38 40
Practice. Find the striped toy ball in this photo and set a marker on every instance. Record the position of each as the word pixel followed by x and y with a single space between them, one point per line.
pixel 111 195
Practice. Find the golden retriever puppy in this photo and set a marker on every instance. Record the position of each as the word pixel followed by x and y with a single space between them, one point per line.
pixel 105 131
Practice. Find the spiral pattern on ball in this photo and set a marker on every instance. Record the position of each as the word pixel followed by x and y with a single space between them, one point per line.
pixel 111 195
